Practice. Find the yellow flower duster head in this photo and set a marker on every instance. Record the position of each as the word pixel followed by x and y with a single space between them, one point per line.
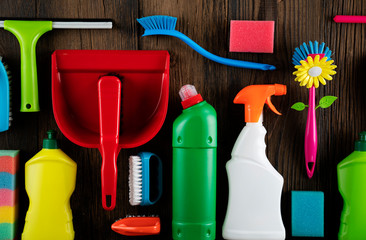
pixel 313 71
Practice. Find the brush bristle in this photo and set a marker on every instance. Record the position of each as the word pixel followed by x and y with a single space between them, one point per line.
pixel 158 22
pixel 302 52
pixel 135 180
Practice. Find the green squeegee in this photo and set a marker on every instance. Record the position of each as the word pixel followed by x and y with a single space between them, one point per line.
pixel 28 33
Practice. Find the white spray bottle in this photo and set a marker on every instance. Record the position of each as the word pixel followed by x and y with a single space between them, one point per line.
pixel 255 187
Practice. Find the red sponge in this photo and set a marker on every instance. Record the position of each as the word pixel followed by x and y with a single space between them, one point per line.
pixel 251 36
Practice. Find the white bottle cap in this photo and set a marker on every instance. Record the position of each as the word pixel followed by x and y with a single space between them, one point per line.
pixel 187 91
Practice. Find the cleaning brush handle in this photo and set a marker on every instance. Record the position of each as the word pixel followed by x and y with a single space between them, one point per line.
pixel 311 137
pixel 349 19
pixel 109 171
pixel 28 33
pixel 205 53
pixel 109 96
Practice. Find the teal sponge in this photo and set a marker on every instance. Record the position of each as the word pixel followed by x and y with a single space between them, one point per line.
pixel 307 213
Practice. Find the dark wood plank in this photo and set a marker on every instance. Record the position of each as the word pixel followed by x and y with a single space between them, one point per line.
pixel 207 22
pixel 93 221
pixel 23 132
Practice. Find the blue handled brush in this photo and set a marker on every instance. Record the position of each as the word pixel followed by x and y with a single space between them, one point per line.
pixel 302 52
pixel 165 25
pixel 145 179
pixel 5 95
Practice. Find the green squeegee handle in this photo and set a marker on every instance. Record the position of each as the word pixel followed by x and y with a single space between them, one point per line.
pixel 28 33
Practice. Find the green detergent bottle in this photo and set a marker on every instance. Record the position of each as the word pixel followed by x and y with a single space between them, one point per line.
pixel 352 186
pixel 194 168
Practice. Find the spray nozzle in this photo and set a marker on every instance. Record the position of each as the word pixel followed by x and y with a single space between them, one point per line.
pixel 255 96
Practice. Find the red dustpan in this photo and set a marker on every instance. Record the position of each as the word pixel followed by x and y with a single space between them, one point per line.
pixel 110 100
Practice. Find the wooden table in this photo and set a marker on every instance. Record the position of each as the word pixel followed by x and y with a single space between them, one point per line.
pixel 208 23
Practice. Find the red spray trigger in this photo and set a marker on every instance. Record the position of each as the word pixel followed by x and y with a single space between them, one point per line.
pixel 255 96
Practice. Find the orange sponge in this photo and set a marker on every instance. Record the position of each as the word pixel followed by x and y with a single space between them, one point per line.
pixel 251 36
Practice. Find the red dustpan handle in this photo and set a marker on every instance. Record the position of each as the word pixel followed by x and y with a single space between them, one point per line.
pixel 109 93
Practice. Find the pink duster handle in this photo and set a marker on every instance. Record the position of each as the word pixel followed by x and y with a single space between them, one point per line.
pixel 311 137
pixel 349 19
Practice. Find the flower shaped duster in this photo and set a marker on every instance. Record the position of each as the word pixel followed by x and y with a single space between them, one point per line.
pixel 311 72
pixel 314 66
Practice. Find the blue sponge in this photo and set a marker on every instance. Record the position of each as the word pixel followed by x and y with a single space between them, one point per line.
pixel 7 181
pixel 307 214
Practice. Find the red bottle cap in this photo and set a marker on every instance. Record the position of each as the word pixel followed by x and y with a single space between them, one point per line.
pixel 189 96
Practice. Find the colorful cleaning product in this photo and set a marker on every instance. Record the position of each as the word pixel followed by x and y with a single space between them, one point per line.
pixel 145 179
pixel 255 187
pixel 251 36
pixel 114 84
pixel 194 168
pixel 28 32
pixel 352 186
pixel 9 164
pixel 165 25
pixel 49 181
pixel 313 66
pixel 5 97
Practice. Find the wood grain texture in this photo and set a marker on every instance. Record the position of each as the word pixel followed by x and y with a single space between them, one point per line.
pixel 208 23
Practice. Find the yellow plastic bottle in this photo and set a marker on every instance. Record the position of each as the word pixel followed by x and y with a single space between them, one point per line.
pixel 49 181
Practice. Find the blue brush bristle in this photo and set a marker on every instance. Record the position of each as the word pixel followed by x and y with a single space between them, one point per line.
pixel 165 25
pixel 302 52
pixel 158 22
